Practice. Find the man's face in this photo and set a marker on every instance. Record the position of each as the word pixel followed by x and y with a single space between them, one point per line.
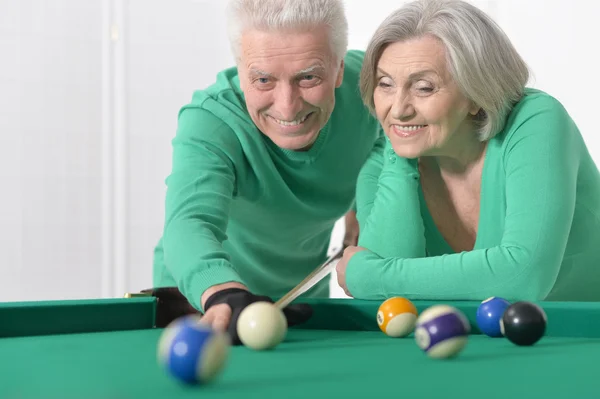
pixel 289 81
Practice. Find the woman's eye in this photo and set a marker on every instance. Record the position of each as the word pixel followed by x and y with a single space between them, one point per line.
pixel 384 82
pixel 424 87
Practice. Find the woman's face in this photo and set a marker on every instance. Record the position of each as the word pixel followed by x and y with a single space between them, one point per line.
pixel 418 104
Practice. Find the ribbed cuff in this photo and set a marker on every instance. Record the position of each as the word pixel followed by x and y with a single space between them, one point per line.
pixel 212 275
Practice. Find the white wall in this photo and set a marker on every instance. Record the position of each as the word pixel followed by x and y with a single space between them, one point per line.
pixel 50 135
pixel 89 94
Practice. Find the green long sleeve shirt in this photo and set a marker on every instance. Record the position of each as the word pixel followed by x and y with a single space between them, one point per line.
pixel 240 209
pixel 538 235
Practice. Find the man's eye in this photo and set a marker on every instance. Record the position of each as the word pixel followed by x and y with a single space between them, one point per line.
pixel 263 80
pixel 308 77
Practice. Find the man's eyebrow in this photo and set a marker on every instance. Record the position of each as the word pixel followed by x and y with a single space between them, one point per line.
pixel 306 71
pixel 311 69
pixel 259 72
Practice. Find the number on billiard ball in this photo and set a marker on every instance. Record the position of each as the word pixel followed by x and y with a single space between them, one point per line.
pixel 489 314
pixel 523 323
pixel 191 351
pixel 397 316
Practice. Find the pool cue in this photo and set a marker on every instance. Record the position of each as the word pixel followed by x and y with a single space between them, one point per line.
pixel 313 278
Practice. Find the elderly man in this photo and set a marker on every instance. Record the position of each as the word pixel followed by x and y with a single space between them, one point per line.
pixel 265 161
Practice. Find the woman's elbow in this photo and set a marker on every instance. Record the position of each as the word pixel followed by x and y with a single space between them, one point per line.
pixel 533 286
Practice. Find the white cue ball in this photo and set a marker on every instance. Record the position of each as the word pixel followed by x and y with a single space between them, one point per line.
pixel 261 325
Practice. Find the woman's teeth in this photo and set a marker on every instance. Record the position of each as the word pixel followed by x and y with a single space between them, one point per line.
pixel 410 128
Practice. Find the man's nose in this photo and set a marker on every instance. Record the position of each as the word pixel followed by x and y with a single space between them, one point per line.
pixel 288 102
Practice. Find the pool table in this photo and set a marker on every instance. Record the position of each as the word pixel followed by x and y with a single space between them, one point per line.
pixel 106 349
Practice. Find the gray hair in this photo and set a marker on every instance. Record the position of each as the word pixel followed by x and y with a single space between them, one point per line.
pixel 288 15
pixel 480 57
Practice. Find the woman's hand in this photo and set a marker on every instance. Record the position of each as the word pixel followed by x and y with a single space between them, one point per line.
pixel 341 266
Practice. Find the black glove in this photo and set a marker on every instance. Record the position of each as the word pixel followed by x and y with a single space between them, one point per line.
pixel 238 299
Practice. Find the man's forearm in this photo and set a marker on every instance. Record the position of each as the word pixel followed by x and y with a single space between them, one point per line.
pixel 352 229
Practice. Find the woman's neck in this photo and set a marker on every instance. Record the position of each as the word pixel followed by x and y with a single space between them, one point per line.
pixel 458 160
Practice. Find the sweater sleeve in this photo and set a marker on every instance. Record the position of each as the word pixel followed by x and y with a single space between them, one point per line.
pixel 389 213
pixel 199 192
pixel 541 161
pixel 366 185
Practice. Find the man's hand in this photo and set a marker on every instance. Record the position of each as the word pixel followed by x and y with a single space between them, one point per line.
pixel 218 316
pixel 352 229
pixel 225 302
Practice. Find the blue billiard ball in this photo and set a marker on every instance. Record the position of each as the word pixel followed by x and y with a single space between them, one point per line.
pixel 489 314
pixel 191 351
pixel 442 331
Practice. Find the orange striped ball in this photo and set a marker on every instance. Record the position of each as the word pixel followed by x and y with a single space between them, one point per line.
pixel 397 317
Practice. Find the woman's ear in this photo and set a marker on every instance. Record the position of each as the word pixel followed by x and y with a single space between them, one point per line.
pixel 475 109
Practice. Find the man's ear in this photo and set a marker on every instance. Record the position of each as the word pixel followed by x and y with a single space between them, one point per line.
pixel 340 76
pixel 242 79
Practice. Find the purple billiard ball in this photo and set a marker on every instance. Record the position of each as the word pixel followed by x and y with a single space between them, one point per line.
pixel 489 314
pixel 442 331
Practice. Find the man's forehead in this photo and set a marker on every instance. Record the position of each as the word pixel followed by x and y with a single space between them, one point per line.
pixel 296 49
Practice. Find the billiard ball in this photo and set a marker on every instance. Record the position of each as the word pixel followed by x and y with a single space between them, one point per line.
pixel 191 351
pixel 397 316
pixel 442 331
pixel 523 323
pixel 489 314
pixel 261 326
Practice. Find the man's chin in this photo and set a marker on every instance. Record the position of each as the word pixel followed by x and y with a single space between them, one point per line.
pixel 299 143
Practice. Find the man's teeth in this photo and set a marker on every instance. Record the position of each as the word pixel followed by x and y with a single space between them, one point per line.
pixel 291 123
pixel 410 128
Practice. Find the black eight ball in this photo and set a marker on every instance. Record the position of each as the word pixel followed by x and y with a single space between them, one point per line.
pixel 523 323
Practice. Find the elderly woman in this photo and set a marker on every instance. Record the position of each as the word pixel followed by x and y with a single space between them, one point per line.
pixel 482 187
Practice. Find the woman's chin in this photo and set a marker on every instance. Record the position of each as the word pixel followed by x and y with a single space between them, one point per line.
pixel 408 152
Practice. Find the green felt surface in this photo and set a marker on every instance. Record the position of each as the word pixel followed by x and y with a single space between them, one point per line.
pixel 311 363
pixel 106 349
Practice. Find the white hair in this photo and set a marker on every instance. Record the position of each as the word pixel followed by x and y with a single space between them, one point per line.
pixel 282 15
pixel 480 57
